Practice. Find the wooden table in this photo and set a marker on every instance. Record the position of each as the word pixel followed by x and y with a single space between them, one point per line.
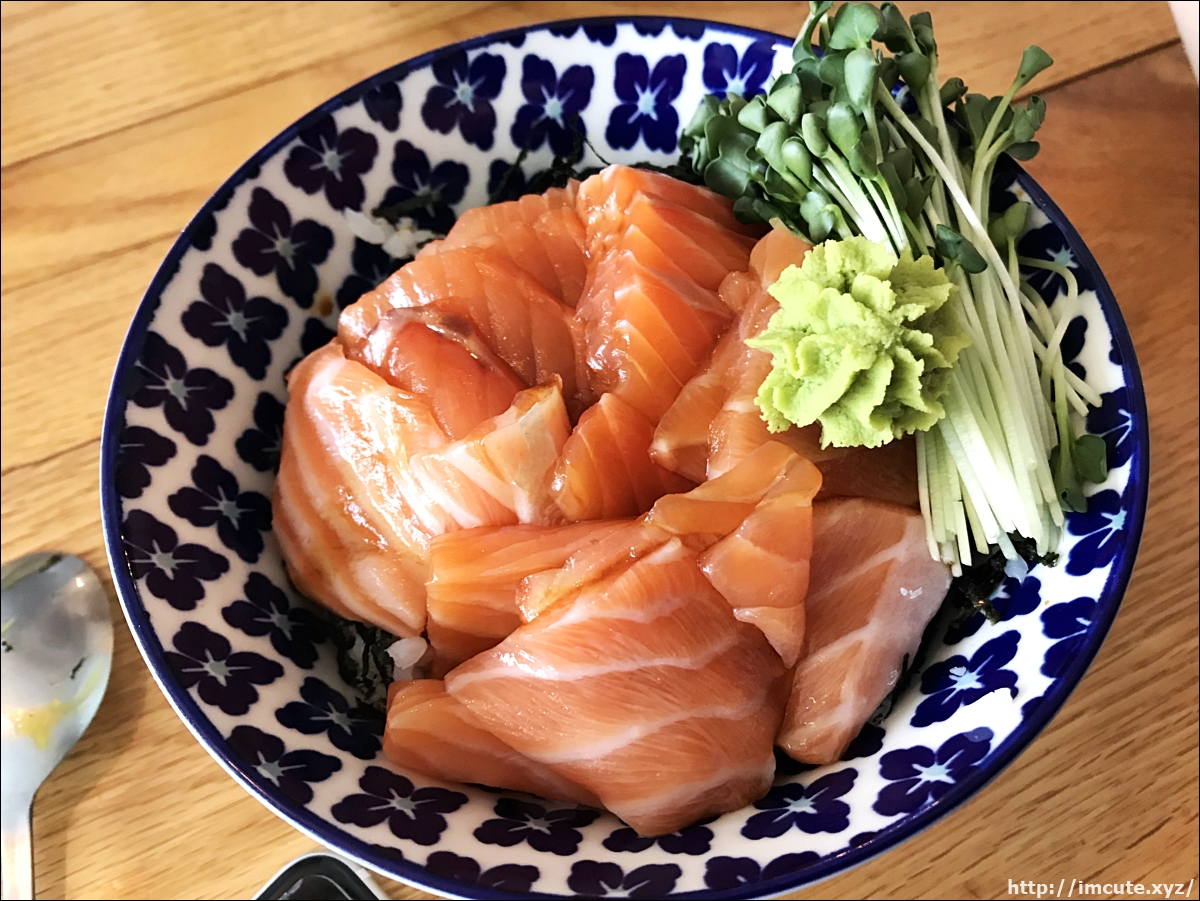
pixel 120 119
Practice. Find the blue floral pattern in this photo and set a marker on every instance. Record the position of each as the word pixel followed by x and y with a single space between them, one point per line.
pixel 316 335
pixel 646 110
pixel 205 660
pixel 372 265
pixel 260 446
pixel 1113 421
pixel 225 316
pixel 463 96
pixel 507 877
pixel 140 449
pixel 604 33
pixel 1103 528
pixel 1015 598
pixel 812 808
pixel 1069 624
pixel 214 499
pixel 552 105
pixel 333 161
pixel 290 250
pixel 726 73
pixel 694 840
pixel 292 772
pixel 294 631
pixel 552 831
pixel 957 681
pixel 173 571
pixel 866 744
pixel 416 814
pixel 727 873
pixel 442 185
pixel 352 729
pixel 594 879
pixel 384 103
pixel 919 776
pixel 188 397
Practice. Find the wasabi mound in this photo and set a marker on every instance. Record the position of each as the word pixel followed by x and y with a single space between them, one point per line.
pixel 863 343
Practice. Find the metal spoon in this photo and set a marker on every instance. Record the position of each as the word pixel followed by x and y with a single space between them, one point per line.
pixel 56 655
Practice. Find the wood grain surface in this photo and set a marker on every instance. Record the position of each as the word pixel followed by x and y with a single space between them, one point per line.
pixel 119 119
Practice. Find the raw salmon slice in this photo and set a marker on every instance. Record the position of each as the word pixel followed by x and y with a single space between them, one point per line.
pixel 874 589
pixel 714 422
pixel 474 575
pixel 605 471
pixel 500 473
pixel 647 333
pixel 349 534
pixel 606 196
pixel 643 688
pixel 534 334
pixel 540 233
pixel 659 249
pixel 753 529
pixel 441 358
pixel 432 733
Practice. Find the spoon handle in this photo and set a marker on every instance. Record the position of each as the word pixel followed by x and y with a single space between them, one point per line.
pixel 18 858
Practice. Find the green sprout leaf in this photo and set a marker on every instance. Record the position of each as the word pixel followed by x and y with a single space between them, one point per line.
pixel 818 215
pixel 843 126
pixel 974 112
pixel 786 99
pixel 895 184
pixel 755 115
pixel 914 69
pixel 802 49
pixel 859 73
pixel 797 159
pixel 1033 61
pixel 832 69
pixel 862 158
pixel 855 26
pixel 1027 120
pixel 902 159
pixel 893 31
pixel 955 248
pixel 1091 458
pixel 727 176
pixel 888 73
pixel 952 91
pixel 814 135
pixel 922 29
pixel 770 144
pixel 1026 151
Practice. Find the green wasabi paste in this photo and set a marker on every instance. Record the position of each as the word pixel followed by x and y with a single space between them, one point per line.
pixel 863 343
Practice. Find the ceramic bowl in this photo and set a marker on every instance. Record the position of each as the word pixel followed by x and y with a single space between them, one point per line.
pixel 191 442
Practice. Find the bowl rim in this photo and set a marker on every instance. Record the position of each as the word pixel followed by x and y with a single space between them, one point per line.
pixel 321 829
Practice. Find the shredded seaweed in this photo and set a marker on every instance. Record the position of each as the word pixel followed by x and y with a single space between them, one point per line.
pixel 363 659
pixel 973 590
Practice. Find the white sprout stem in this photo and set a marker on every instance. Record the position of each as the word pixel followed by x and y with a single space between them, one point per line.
pixel 923 491
pixel 835 192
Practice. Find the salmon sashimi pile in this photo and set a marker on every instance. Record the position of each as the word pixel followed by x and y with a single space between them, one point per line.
pixel 536 447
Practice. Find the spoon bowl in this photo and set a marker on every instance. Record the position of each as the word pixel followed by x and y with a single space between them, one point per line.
pixel 56 658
